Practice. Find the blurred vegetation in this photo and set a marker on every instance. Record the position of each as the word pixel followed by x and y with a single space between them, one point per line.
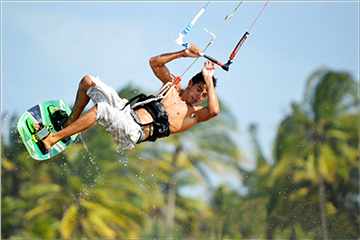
pixel 176 188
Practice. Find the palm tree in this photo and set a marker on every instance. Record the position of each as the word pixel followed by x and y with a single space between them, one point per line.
pixel 82 196
pixel 316 145
pixel 13 173
pixel 210 143
pixel 253 204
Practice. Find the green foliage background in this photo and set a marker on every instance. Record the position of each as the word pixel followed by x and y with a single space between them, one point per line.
pixel 309 190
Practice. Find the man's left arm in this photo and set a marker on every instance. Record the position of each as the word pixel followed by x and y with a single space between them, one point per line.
pixel 212 109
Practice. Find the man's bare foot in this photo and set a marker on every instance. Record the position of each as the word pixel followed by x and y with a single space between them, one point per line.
pixel 47 141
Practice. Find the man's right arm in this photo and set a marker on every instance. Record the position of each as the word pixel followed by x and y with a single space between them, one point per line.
pixel 159 68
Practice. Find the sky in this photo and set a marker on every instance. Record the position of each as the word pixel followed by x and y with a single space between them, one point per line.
pixel 47 47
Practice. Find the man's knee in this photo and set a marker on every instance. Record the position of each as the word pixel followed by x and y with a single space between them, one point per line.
pixel 86 83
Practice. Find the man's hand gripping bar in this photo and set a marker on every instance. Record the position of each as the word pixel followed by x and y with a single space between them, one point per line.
pixel 233 54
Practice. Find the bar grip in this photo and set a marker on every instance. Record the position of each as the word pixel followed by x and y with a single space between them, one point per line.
pixel 223 66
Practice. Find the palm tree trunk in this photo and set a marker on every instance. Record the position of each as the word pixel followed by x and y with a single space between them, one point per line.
pixel 170 217
pixel 269 233
pixel 322 202
pixel 293 234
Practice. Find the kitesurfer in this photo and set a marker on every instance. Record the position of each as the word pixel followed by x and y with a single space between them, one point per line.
pixel 175 113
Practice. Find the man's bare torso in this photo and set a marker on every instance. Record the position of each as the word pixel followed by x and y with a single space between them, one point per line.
pixel 181 114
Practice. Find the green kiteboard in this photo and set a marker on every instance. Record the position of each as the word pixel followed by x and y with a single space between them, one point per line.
pixel 40 114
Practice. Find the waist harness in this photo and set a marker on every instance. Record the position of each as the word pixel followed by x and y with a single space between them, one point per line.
pixel 160 127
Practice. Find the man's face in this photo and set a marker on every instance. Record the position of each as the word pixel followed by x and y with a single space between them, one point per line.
pixel 196 92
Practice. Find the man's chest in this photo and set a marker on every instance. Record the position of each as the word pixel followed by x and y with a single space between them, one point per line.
pixel 181 116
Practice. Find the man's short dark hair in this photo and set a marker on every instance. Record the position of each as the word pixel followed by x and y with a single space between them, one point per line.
pixel 199 78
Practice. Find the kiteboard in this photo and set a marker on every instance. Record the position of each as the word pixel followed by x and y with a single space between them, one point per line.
pixel 41 114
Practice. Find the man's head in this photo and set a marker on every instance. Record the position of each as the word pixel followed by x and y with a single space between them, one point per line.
pixel 197 90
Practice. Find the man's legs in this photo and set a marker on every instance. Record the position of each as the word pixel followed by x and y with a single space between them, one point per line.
pixel 75 124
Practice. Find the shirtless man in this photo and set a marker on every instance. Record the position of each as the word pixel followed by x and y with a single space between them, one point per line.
pixel 128 126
